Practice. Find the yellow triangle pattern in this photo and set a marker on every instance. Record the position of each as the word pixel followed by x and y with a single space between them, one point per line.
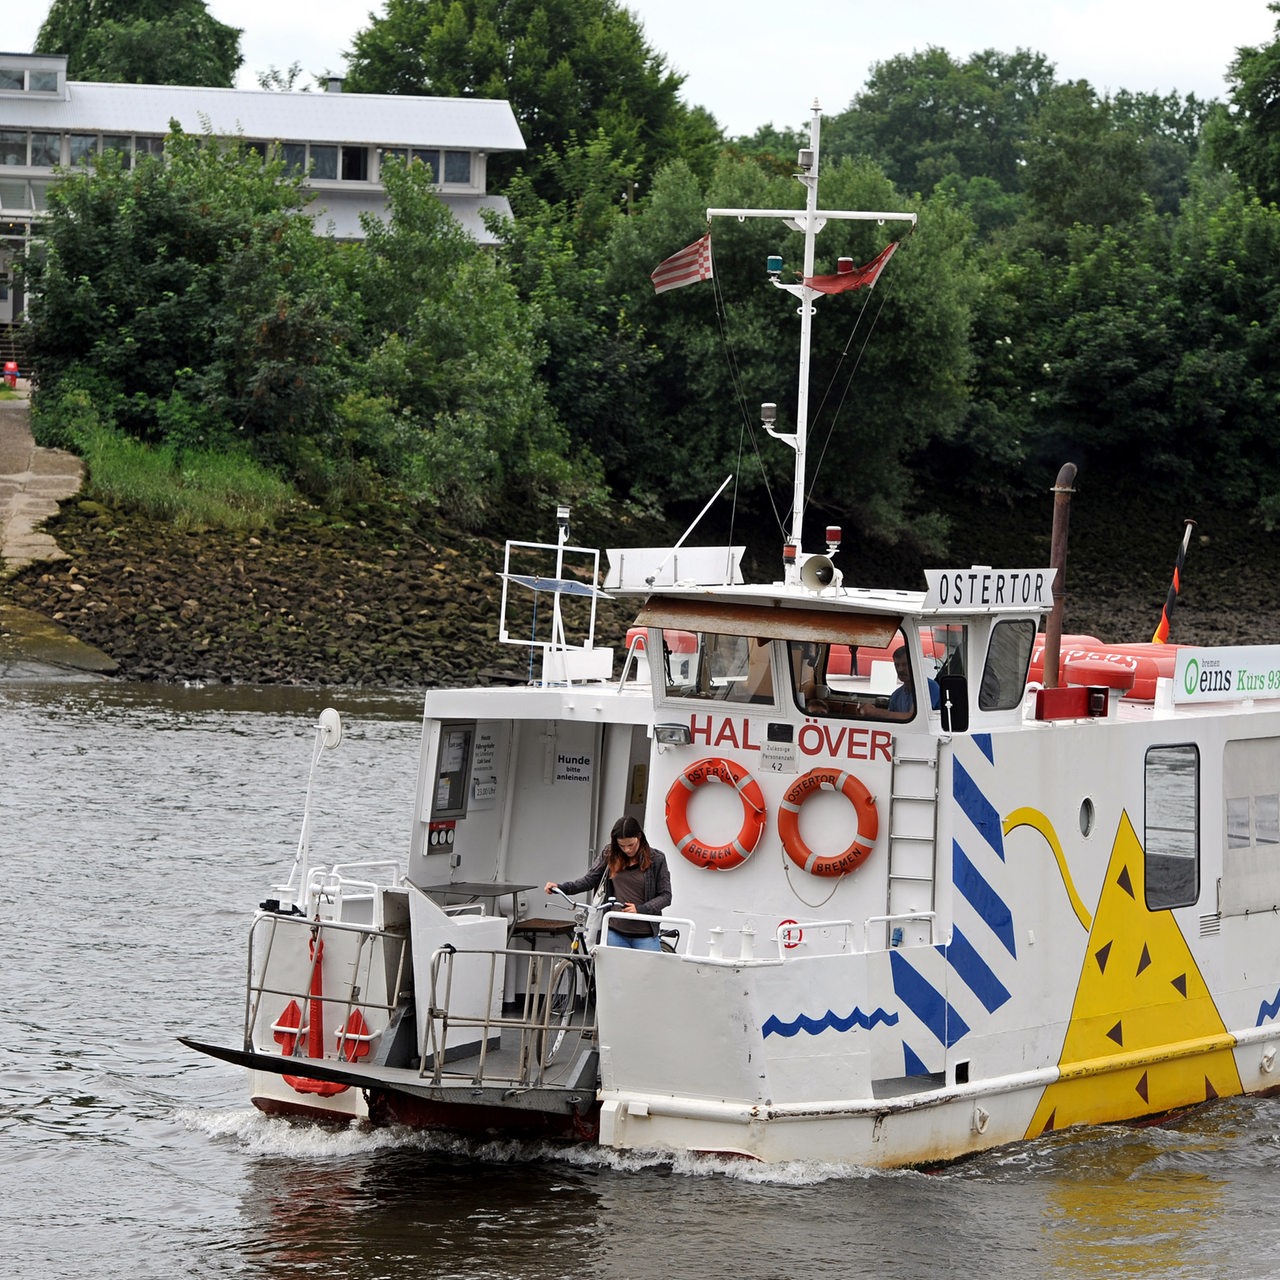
pixel 1145 1035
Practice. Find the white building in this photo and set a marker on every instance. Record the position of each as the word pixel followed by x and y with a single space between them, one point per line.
pixel 338 140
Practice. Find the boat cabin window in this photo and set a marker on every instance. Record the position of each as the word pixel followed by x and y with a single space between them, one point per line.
pixel 1172 836
pixel 1004 675
pixel 1251 798
pixel 719 667
pixel 850 681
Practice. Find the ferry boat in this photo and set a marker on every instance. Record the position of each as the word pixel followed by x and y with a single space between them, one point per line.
pixel 908 922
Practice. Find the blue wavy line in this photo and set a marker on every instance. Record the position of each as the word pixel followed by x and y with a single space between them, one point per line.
pixel 1268 1009
pixel 774 1026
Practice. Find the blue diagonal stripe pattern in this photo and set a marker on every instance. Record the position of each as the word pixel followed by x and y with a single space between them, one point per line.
pixel 976 807
pixel 989 905
pixel 974 971
pixel 926 1002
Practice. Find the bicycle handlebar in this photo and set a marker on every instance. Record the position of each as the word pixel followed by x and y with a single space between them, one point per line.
pixel 606 905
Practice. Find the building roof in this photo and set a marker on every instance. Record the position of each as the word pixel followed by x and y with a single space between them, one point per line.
pixel 476 124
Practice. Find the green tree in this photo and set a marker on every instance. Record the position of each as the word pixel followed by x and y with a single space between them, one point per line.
pixel 570 68
pixel 1082 166
pixel 1226 385
pixel 889 367
pixel 1169 130
pixel 452 360
pixel 1247 138
pixel 142 42
pixel 924 116
pixel 593 353
pixel 195 276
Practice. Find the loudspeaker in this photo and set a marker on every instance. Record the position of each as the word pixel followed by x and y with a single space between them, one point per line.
pixel 818 572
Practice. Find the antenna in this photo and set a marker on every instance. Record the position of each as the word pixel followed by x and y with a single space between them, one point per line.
pixel 653 577
pixel 808 221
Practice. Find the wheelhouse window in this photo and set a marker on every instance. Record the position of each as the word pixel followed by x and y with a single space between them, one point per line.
pixel 720 668
pixel 1171 839
pixel 860 682
pixel 1004 674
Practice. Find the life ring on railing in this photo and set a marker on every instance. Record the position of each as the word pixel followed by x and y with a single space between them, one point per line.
pixel 719 857
pixel 864 806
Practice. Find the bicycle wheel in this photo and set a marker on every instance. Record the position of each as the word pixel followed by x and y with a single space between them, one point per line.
pixel 562 1006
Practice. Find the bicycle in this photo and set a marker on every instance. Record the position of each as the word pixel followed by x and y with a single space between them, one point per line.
pixel 571 977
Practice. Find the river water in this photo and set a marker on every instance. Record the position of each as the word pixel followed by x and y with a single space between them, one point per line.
pixel 139 826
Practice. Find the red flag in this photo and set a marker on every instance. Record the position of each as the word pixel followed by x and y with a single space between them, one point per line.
pixel 691 264
pixel 858 278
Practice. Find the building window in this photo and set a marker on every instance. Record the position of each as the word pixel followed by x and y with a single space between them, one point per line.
pixel 355 164
pixel 294 155
pixel 11 79
pixel 394 153
pixel 43 82
pixel 457 167
pixel 82 147
pixel 121 143
pixel 13 195
pixel 46 150
pixel 324 163
pixel 1172 837
pixel 431 159
pixel 13 146
pixel 149 146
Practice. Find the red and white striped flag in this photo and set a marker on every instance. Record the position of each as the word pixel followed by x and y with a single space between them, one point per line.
pixel 691 264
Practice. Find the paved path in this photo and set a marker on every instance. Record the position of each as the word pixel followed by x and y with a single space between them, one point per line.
pixel 32 481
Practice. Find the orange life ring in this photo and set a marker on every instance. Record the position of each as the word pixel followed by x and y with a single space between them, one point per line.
pixel 864 806
pixel 719 857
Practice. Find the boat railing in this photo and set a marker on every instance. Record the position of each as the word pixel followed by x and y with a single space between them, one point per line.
pixel 635 647
pixel 388 949
pixel 894 928
pixel 353 883
pixel 543 1037
pixel 676 932
pixel 848 937
pixel 823 937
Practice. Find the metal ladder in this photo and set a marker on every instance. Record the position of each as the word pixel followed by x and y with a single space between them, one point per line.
pixel 913 832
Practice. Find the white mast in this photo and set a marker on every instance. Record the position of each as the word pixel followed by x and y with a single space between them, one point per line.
pixel 809 221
